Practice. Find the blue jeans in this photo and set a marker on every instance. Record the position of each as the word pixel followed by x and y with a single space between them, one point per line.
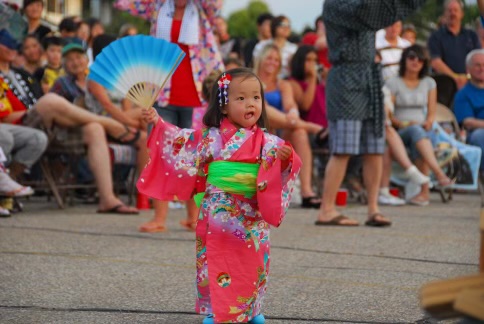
pixel 410 136
pixel 476 138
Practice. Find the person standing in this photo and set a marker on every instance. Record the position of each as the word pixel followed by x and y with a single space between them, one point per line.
pixel 450 44
pixel 354 98
pixel 186 23
pixel 32 10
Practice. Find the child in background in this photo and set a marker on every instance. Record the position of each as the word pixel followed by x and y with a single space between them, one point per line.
pixel 48 74
pixel 242 177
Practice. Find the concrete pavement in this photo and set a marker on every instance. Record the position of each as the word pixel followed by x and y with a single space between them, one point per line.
pixel 76 266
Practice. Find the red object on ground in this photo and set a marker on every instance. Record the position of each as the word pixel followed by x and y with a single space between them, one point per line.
pixel 395 192
pixel 342 197
pixel 142 202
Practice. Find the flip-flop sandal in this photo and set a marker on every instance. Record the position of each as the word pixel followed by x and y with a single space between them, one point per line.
pixel 120 138
pixel 373 222
pixel 118 210
pixel 335 221
pixel 20 192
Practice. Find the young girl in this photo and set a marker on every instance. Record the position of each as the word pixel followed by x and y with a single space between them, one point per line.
pixel 243 177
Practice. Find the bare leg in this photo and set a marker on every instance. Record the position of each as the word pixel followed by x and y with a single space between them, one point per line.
pixel 424 194
pixel 300 140
pixel 372 169
pixel 386 169
pixel 55 109
pixel 142 147
pixel 278 120
pixel 397 148
pixel 192 211
pixel 100 165
pixel 336 168
pixel 426 150
pixel 158 223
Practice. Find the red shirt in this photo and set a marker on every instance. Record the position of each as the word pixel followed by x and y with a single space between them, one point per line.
pixel 310 39
pixel 183 90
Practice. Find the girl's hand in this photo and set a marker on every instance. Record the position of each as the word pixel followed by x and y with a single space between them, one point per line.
pixel 284 152
pixel 150 115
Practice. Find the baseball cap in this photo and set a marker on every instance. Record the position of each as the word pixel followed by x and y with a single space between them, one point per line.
pixel 72 47
pixel 7 40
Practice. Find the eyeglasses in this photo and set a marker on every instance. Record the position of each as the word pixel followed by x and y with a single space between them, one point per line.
pixel 413 56
pixel 285 24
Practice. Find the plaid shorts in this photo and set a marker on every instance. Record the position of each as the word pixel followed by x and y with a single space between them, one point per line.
pixel 354 137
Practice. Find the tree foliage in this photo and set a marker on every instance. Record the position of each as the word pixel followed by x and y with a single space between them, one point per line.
pixel 243 23
pixel 120 18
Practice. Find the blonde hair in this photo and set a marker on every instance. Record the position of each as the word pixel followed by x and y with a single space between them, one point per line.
pixel 264 53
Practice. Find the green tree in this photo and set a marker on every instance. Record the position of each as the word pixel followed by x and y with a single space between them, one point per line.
pixel 120 18
pixel 243 23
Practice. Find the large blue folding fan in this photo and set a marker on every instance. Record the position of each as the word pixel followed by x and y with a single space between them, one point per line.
pixel 137 66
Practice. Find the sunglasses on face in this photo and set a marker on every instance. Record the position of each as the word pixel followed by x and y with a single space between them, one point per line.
pixel 413 56
pixel 285 24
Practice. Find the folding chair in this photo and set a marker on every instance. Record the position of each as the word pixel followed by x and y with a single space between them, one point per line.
pixel 446 89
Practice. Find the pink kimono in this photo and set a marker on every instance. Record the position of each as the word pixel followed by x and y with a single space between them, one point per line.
pixel 232 235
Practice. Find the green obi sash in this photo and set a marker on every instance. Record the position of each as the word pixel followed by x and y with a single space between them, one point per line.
pixel 233 177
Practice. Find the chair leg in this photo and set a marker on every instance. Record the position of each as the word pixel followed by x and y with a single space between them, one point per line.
pixel 480 186
pixel 51 182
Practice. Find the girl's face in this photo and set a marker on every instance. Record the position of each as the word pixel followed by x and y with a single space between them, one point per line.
pixel 245 102
pixel 31 50
pixel 54 55
pixel 34 10
pixel 311 62
pixel 414 62
pixel 271 63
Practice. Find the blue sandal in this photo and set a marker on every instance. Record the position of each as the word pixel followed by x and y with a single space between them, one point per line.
pixel 208 319
pixel 259 319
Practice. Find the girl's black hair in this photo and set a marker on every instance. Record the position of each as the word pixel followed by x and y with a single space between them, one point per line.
pixel 421 53
pixel 298 61
pixel 214 114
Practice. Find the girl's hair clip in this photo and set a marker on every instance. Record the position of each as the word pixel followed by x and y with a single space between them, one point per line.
pixel 223 85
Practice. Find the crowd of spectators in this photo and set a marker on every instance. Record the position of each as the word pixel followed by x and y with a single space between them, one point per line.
pixel 44 90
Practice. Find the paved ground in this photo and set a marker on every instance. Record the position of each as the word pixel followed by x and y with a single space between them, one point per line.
pixel 75 266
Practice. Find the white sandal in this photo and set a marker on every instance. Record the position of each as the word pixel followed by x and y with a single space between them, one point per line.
pixel 11 188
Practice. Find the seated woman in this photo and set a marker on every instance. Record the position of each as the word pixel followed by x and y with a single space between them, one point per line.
pixel 278 94
pixel 414 95
pixel 96 98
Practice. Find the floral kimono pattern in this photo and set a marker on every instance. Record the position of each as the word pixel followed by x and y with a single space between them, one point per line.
pixel 204 57
pixel 232 235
